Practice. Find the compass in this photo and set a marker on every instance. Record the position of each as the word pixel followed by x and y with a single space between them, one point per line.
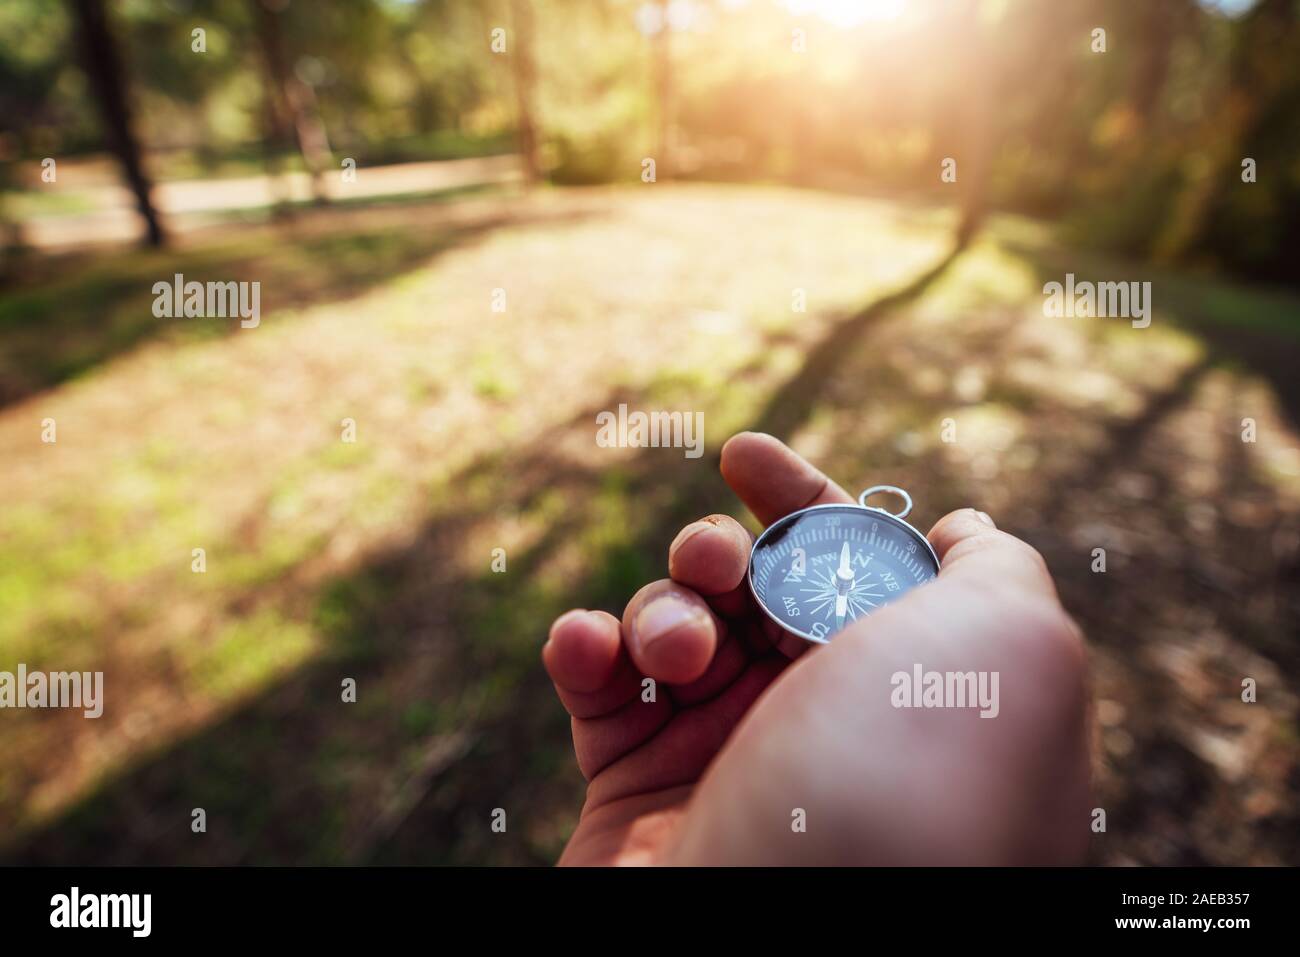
pixel 822 568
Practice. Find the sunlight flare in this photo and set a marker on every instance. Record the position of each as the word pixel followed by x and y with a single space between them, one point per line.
pixel 849 13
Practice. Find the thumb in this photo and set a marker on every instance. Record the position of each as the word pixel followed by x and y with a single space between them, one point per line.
pixel 970 546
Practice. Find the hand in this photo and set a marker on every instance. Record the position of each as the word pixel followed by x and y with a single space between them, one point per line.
pixel 746 732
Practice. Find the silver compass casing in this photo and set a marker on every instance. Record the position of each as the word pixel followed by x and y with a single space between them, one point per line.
pixel 781 526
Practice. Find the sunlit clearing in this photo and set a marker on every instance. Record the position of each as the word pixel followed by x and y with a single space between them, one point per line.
pixel 849 13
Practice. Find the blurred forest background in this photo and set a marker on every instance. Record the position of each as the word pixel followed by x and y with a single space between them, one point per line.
pixel 389 170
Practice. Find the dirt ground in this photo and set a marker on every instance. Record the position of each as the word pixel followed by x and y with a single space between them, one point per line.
pixel 475 430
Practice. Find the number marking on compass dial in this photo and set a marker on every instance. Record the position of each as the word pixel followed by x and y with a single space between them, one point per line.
pixel 820 569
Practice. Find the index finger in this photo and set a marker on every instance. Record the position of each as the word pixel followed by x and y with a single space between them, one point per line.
pixel 772 479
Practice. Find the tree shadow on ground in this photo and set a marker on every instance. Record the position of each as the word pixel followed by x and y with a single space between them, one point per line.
pixel 1200 592
pixel 1244 328
pixel 455 718
pixel 61 327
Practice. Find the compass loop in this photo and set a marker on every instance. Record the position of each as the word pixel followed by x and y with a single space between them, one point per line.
pixel 892 490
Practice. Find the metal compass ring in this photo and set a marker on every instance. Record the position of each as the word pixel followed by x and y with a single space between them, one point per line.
pixel 818 569
pixel 892 490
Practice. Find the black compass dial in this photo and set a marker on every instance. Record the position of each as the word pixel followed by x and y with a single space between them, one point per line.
pixel 820 569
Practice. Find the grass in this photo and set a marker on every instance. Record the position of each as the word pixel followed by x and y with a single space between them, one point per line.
pixel 372 559
pixel 63 328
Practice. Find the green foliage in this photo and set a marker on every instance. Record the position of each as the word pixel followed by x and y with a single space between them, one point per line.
pixel 1137 147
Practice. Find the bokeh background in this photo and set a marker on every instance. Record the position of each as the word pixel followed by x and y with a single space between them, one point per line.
pixel 798 149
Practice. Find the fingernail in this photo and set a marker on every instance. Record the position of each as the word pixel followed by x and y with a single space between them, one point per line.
pixel 572 613
pixel 687 533
pixel 984 517
pixel 663 616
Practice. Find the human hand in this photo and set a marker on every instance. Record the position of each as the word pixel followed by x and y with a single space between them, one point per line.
pixel 746 732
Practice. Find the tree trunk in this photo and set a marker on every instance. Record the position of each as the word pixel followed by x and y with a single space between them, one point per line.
pixel 1264 37
pixel 974 125
pixel 663 73
pixel 108 85
pixel 1160 22
pixel 525 76
pixel 275 137
pixel 292 100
